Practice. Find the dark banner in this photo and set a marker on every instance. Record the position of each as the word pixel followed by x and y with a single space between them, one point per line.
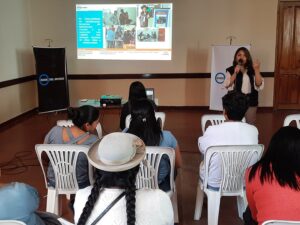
pixel 51 71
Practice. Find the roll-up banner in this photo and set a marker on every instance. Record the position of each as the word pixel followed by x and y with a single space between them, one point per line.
pixel 51 71
pixel 222 58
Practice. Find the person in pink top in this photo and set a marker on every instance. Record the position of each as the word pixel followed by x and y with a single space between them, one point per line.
pixel 273 183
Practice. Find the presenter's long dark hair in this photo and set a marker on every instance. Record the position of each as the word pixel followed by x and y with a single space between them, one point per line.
pixel 281 161
pixel 249 61
pixel 123 180
pixel 144 124
pixel 82 115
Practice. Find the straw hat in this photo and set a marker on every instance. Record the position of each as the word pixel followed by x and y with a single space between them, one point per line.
pixel 117 152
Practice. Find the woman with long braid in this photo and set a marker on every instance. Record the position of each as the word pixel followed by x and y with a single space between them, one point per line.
pixel 116 159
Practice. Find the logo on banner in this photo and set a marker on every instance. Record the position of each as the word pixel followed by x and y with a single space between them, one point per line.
pixel 220 78
pixel 44 79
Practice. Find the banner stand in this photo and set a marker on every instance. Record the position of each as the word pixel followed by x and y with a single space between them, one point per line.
pixel 51 71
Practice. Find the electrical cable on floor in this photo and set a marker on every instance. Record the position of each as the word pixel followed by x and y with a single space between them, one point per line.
pixel 19 164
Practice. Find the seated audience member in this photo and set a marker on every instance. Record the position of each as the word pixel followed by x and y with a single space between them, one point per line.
pixel 144 125
pixel 85 120
pixel 136 91
pixel 116 158
pixel 232 132
pixel 273 183
pixel 19 201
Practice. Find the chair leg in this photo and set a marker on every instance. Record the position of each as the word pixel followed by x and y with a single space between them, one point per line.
pixel 199 202
pixel 175 207
pixel 241 204
pixel 52 201
pixel 213 207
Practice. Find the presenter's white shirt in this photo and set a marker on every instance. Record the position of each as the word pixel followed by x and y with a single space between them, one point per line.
pixel 153 207
pixel 227 133
pixel 246 85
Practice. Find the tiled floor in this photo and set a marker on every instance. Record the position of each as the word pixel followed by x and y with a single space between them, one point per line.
pixel 18 140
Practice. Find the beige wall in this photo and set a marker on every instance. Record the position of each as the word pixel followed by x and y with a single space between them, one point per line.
pixel 16 100
pixel 16 58
pixel 193 92
pixel 197 24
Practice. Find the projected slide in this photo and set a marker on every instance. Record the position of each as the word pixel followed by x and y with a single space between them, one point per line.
pixel 124 31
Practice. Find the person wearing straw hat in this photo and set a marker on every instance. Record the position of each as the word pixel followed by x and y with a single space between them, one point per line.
pixel 116 158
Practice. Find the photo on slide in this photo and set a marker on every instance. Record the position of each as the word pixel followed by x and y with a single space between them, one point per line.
pixel 147 35
pixel 161 17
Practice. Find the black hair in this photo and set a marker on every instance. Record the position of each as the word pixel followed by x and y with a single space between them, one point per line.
pixel 144 6
pixel 235 105
pixel 136 91
pixel 143 122
pixel 249 62
pixel 123 180
pixel 83 114
pixel 281 160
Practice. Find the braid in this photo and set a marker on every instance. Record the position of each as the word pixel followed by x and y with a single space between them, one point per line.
pixel 130 199
pixel 89 205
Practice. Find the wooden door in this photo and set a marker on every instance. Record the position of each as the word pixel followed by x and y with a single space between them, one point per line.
pixel 287 71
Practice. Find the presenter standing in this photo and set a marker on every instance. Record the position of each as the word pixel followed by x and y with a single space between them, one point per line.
pixel 244 76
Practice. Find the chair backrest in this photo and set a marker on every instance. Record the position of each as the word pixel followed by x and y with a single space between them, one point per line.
pixel 69 123
pixel 63 158
pixel 235 159
pixel 160 115
pixel 293 117
pixel 214 119
pixel 280 222
pixel 148 174
pixel 11 222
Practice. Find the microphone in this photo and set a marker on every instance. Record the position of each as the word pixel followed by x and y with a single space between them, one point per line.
pixel 240 62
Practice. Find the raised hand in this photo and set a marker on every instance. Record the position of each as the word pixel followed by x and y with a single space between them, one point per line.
pixel 256 65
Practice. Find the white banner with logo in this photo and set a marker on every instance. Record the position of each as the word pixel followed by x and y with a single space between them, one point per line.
pixel 222 58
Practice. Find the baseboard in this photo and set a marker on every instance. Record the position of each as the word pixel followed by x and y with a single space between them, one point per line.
pixel 18 118
pixel 260 108
pixel 163 107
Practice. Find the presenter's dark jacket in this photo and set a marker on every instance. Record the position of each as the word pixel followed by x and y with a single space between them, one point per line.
pixel 253 95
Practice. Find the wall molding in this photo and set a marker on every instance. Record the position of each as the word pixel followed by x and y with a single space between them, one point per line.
pixel 20 80
pixel 147 76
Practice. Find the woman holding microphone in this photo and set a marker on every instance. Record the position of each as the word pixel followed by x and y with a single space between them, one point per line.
pixel 244 76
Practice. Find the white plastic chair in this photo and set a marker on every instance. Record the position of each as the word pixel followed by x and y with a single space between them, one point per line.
pixel 63 221
pixel 235 159
pixel 63 158
pixel 148 174
pixel 214 119
pixel 293 117
pixel 69 123
pixel 160 115
pixel 280 222
pixel 11 222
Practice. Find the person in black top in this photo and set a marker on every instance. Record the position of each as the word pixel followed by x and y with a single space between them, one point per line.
pixel 137 91
pixel 244 76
